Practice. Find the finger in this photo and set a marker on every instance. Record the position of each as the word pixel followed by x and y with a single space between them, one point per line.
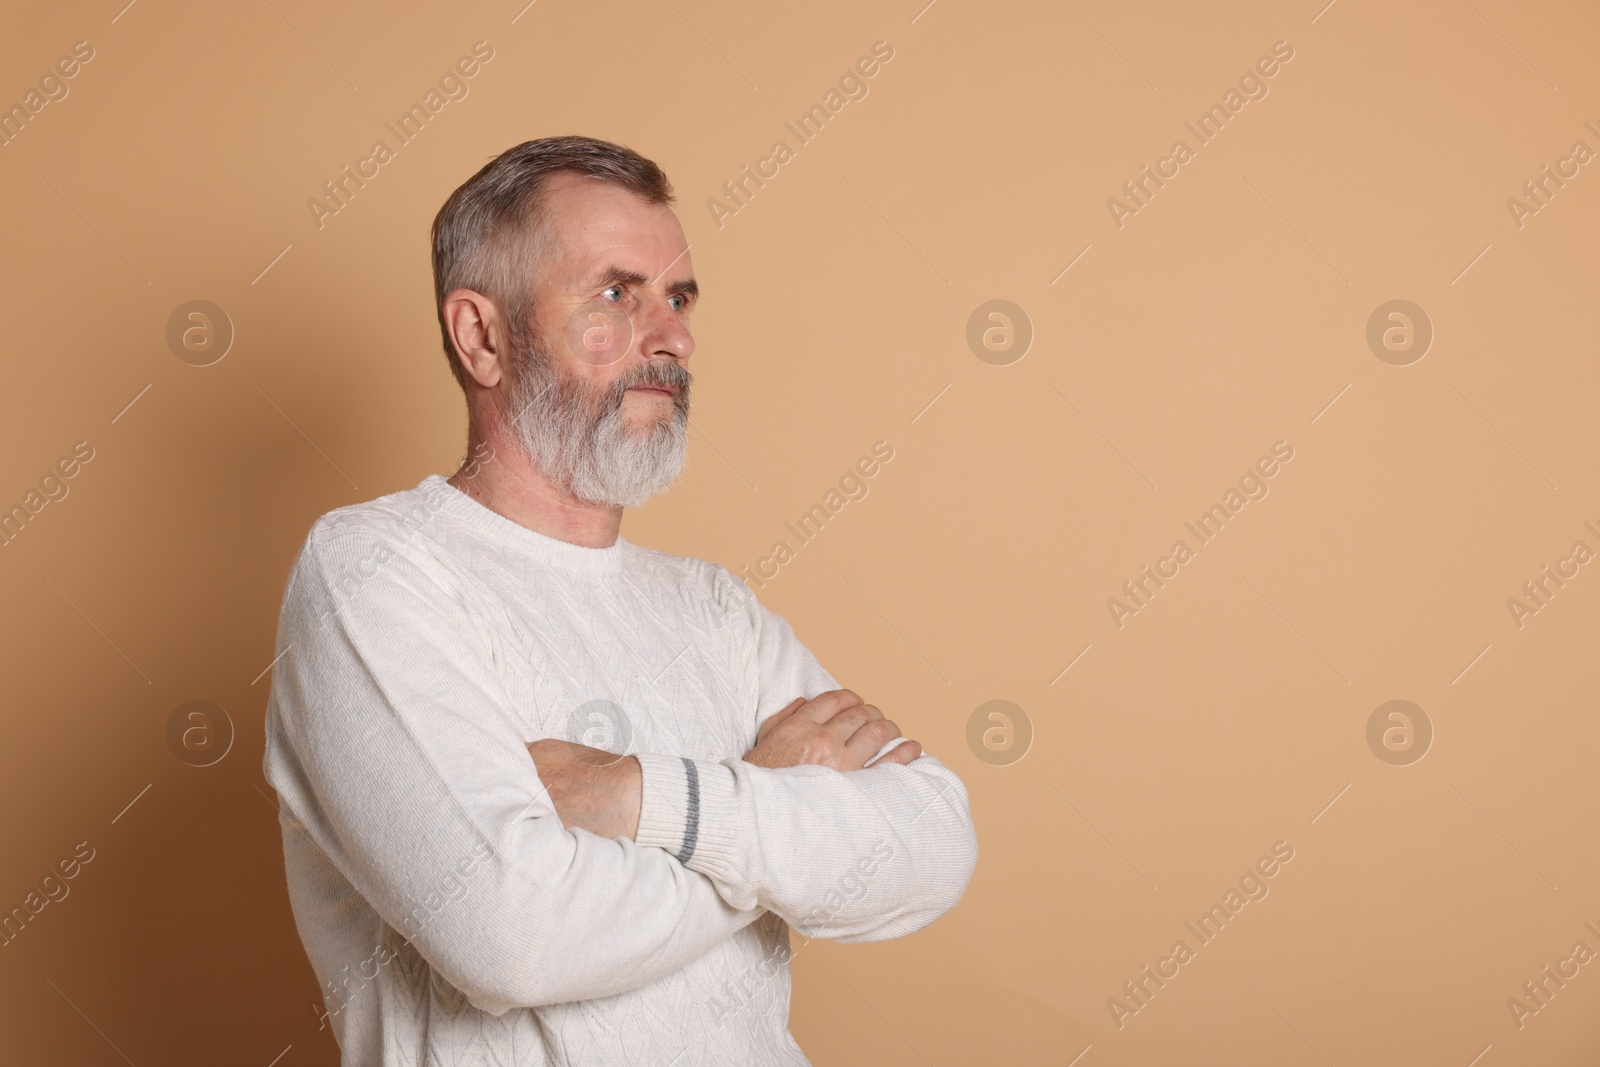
pixel 865 742
pixel 778 716
pixel 843 726
pixel 825 706
pixel 903 753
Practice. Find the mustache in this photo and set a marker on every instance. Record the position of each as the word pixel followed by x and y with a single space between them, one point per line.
pixel 667 373
pixel 663 372
pixel 537 377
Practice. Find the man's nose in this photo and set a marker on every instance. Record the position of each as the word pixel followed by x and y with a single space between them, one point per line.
pixel 664 334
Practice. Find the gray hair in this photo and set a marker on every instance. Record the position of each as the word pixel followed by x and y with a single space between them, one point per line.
pixel 490 235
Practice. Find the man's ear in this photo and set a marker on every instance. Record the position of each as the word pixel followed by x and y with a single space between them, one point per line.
pixel 479 335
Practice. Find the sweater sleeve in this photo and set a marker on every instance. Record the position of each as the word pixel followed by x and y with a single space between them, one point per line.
pixel 862 855
pixel 392 742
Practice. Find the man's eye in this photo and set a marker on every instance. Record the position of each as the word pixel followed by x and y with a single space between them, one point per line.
pixel 680 302
pixel 614 289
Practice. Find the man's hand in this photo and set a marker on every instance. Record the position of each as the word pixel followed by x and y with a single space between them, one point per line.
pixel 590 787
pixel 600 791
pixel 834 730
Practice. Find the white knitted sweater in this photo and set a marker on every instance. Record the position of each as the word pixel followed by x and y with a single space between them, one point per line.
pixel 425 640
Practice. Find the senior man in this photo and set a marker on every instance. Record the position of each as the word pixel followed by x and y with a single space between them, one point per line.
pixel 548 796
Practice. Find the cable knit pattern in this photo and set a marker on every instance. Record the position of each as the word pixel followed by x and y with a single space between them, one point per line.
pixel 451 919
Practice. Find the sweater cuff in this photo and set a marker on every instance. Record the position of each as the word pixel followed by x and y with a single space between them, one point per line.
pixel 684 804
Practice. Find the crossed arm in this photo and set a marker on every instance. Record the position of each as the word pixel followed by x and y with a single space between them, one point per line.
pixel 384 757
pixel 599 791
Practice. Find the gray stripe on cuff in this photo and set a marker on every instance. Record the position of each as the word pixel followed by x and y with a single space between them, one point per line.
pixel 691 822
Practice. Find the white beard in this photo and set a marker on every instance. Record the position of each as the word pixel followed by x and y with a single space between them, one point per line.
pixel 582 441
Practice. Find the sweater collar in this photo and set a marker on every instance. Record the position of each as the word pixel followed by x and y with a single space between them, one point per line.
pixel 520 539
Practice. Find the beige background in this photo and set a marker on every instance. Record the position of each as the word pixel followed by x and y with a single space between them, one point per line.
pixel 1226 315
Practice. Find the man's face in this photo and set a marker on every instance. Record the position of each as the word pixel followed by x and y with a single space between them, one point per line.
pixel 597 387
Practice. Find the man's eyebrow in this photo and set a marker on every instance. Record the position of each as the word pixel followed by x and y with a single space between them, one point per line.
pixel 615 275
